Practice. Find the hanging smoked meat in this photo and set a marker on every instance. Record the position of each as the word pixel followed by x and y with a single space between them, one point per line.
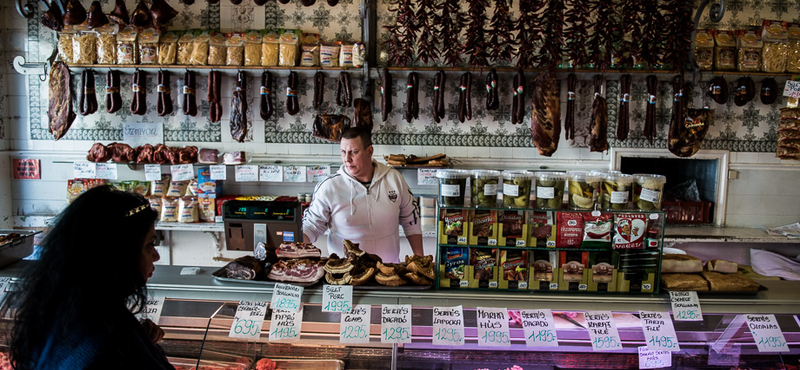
pixel 386 94
pixel 569 121
pixel 501 43
pixel 598 135
pixel 239 109
pixel 546 115
pixel 650 110
pixel 688 127
pixel 475 45
pixel 60 113
pixel 623 120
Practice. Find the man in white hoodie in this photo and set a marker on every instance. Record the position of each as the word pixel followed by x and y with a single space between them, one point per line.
pixel 364 202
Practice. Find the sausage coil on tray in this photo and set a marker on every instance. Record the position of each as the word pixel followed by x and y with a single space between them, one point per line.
pixel 59 111
pixel 189 97
pixel 88 99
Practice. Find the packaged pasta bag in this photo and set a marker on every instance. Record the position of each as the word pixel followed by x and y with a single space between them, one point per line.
pixel 359 54
pixel 704 49
pixel 126 45
pixel 84 47
pixel 185 48
pixel 75 187
pixel 106 43
pixel 159 188
pixel 177 188
pixel 65 44
pixel 289 46
pixel 168 48
pixel 252 48
pixel 309 56
pixel 169 209
pixel 200 49
pixel 187 210
pixel 148 46
pixel 193 188
pixel 748 50
pixel 217 50
pixel 234 49
pixel 155 204
pixel 793 46
pixel 724 50
pixel 776 49
pixel 329 56
pixel 141 187
pixel 346 55
pixel 206 209
pixel 270 45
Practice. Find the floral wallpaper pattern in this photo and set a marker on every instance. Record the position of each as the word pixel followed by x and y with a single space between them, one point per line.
pixel 751 128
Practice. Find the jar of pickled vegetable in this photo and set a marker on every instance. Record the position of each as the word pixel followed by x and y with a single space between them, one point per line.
pixel 550 189
pixel 517 188
pixel 581 189
pixel 615 191
pixel 483 184
pixel 647 191
pixel 452 186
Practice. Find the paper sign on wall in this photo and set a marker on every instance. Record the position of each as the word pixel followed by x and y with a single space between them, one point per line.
pixel 140 133
pixel 659 333
pixel 337 298
pixel 602 331
pixel 106 171
pixel 294 174
pixel 767 333
pixel 396 323
pixel 685 306
pixel 285 326
pixel 182 172
pixel 246 173
pixel 218 172
pixel 286 297
pixel 493 326
pixel 792 89
pixel 27 169
pixel 248 320
pixel 153 309
pixel 318 173
pixel 84 170
pixel 354 326
pixel 539 327
pixel 654 359
pixel 271 173
pixel 448 326
pixel 152 172
pixel 427 176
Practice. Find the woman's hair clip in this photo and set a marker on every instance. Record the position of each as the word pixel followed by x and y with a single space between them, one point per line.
pixel 137 210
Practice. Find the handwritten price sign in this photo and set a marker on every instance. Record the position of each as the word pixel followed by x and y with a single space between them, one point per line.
pixel 653 359
pixel 286 297
pixel 152 310
pixel 686 306
pixel 659 333
pixel 285 326
pixel 540 330
pixel 767 333
pixel 354 327
pixel 396 323
pixel 602 331
pixel 248 320
pixel 493 327
pixel 337 298
pixel 448 326
pixel 792 89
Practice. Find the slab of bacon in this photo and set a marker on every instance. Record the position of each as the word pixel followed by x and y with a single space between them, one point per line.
pixel 302 270
pixel 297 250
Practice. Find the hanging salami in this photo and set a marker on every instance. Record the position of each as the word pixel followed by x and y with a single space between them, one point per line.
pixel 623 120
pixel 412 90
pixel 650 110
pixel 88 99
pixel 139 89
pixel 189 98
pixel 492 100
pixel 164 102
pixel 598 137
pixel 569 120
pixel 113 97
pixel 386 94
pixel 267 109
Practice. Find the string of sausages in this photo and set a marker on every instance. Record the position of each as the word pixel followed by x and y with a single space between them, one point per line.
pixel 88 99
pixel 598 137
pixel 569 121
pixel 464 99
pixel 267 109
pixel 189 99
pixel 412 102
pixel 623 120
pixel 139 88
pixel 344 96
pixel 650 109
pixel 319 89
pixel 492 101
pixel 292 106
pixel 386 94
pixel 239 109
pixel 518 102
pixel 214 96
pixel 164 103
pixel 438 96
pixel 113 97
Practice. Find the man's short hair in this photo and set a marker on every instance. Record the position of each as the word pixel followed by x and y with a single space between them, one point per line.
pixel 364 133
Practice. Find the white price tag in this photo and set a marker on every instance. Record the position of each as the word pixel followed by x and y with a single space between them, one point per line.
pixel 493 326
pixel 246 173
pixel 767 333
pixel 491 241
pixel 544 192
pixel 182 172
pixel 271 173
pixel 219 172
pixel 659 333
pixel 448 326
pixel 286 297
pixel 427 176
pixel 649 195
pixel 602 331
pixel 510 190
pixel 152 172
pixel 463 283
pixel 248 320
pixel 654 359
pixel 337 298
pixel 539 327
pixel 448 190
pixel 520 243
pixel 490 190
pixel 792 89
pixel 318 173
pixel 294 174
pixel 685 306
pixel 285 326
pixel 84 170
pixel 354 325
pixel 462 240
pixel 396 323
pixel 153 309
pixel 106 171
pixel 553 286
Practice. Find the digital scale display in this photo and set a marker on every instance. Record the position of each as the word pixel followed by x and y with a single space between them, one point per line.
pixel 260 210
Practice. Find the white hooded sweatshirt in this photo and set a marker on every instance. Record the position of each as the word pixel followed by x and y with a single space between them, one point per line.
pixel 367 216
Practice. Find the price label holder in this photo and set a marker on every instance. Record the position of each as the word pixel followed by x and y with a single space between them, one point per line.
pixel 219 172
pixel 602 331
pixel 106 171
pixel 685 306
pixel 153 309
pixel 427 176
pixel 493 326
pixel 84 170
pixel 286 297
pixel 448 326
pixel 724 357
pixel 337 298
pixel 396 323
pixel 271 173
pixel 152 172
pixel 246 173
pixel 654 359
pixel 539 327
pixel 659 333
pixel 767 333
pixel 182 172
pixel 248 320
pixel 285 326
pixel 354 326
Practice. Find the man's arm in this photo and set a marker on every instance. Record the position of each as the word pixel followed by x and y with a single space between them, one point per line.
pixel 416 244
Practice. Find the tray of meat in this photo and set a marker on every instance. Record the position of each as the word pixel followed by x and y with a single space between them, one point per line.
pixel 15 245
pixel 297 364
pixel 191 364
pixel 303 272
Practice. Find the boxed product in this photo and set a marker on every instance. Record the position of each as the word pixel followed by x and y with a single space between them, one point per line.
pixel 207 188
pixel 597 228
pixel 513 269
pixel 453 226
pixel 484 268
pixel 513 230
pixel 629 230
pixel 724 50
pixel 749 50
pixel 544 270
pixel 543 229
pixel 569 229
pixel 603 271
pixel 454 267
pixel 483 227
pixel 573 274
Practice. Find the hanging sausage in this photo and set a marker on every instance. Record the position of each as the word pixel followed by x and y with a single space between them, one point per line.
pixel 546 114
pixel 598 136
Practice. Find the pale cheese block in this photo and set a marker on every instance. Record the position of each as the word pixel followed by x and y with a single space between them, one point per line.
pixel 680 263
pixel 722 266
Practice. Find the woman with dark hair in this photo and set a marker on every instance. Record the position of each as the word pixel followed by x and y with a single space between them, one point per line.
pixel 75 305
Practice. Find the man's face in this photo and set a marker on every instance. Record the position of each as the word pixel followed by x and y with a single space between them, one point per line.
pixel 357 159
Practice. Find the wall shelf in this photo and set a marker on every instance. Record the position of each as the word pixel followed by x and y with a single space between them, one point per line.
pixel 225 70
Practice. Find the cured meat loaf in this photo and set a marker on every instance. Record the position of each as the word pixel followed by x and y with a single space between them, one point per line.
pixel 598 136
pixel 59 112
pixel 239 109
pixel 297 250
pixel 214 96
pixel 297 270
pixel 546 115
